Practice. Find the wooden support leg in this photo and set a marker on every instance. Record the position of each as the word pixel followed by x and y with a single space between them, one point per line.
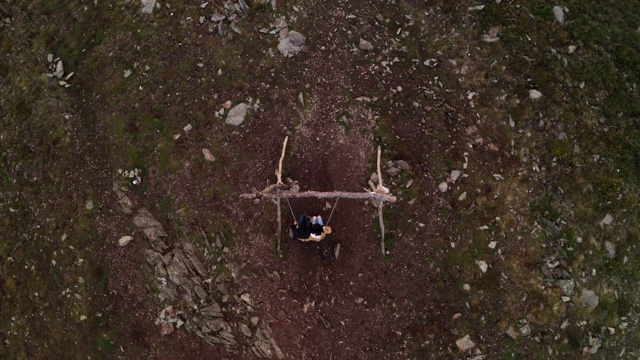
pixel 384 253
pixel 279 233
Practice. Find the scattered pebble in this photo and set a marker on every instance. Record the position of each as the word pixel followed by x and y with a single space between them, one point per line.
pixel 123 241
pixel 207 155
pixel 464 343
pixel 443 186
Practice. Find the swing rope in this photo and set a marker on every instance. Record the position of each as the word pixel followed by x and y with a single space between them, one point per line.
pixel 292 214
pixel 332 210
pixel 330 215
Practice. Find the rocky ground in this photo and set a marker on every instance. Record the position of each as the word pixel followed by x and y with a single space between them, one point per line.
pixel 509 133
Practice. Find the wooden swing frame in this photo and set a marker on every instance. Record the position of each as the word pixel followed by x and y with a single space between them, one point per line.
pixel 280 191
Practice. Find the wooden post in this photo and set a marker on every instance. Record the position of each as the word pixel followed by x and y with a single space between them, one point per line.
pixel 384 253
pixel 279 171
pixel 279 228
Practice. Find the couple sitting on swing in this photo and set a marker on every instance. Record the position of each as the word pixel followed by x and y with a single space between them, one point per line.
pixel 309 229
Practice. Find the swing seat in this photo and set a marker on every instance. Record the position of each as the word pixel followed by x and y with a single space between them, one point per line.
pixel 327 231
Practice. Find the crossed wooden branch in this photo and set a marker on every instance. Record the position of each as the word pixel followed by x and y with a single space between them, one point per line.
pixel 280 191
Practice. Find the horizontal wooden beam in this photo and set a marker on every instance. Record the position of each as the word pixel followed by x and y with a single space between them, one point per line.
pixel 322 195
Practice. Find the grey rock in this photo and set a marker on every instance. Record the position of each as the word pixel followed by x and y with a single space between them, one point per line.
pixel 244 329
pixel 217 17
pixel 212 310
pixel 464 343
pixel 123 200
pixel 254 320
pixel 222 29
pixel 200 292
pixel 152 229
pixel 525 331
pixel 443 186
pixel 402 165
pixel 292 44
pixel 393 171
pixel 246 298
pixel 216 324
pixel 588 297
pixel 244 7
pixel 374 177
pixel 512 333
pixel 167 292
pixel 123 241
pixel 455 174
pixel 193 259
pixel 276 349
pixel 611 248
pixel 365 45
pixel 59 69
pixel 177 272
pixel 558 14
pixel 552 229
pixel 237 114
pixel 566 286
pixel 607 220
pixel 296 38
pixel 148 6
pixel 534 94
pixel 264 348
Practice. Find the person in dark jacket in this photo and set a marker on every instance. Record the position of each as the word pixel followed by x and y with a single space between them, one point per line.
pixel 301 229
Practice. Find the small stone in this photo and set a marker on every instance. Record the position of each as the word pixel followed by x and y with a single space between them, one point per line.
pixel 187 128
pixel 558 14
pixel 566 299
pixel 336 251
pixel 237 114
pixel 525 331
pixel 227 104
pixel 296 38
pixel 462 196
pixel 566 286
pixel 83 317
pixel 443 186
pixel 59 70
pixel 512 333
pixel 49 58
pixel 588 297
pixel 606 220
pixel 254 320
pixel 572 48
pixel 365 45
pixel 148 6
pixel 246 298
pixel 244 329
pixel 455 174
pixel 127 73
pixel 466 287
pixel 217 17
pixel 611 248
pixel 166 329
pixel 123 241
pixel 534 94
pixel 482 265
pixel 492 245
pixel 464 343
pixel 89 205
pixel 207 155
pixel 392 171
